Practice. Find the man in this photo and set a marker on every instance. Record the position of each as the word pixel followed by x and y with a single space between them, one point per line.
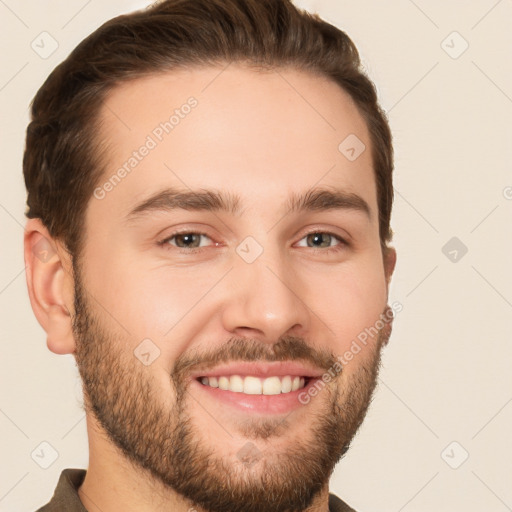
pixel 210 184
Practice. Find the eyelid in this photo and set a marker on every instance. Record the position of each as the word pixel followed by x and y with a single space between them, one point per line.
pixel 337 232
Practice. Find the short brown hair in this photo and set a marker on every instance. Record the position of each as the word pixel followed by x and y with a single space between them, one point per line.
pixel 62 161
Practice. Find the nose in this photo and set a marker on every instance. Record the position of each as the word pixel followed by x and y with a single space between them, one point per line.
pixel 265 301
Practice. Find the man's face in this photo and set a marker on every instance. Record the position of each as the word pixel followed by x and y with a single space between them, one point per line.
pixel 191 346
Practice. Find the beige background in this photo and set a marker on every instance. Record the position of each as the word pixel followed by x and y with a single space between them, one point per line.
pixel 447 371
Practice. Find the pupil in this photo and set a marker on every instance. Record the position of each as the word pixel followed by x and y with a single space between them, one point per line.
pixel 188 237
pixel 318 237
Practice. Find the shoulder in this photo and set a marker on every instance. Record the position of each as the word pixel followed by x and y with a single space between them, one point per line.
pixel 65 496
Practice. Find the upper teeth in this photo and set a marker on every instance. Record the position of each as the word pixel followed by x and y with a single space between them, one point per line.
pixel 255 385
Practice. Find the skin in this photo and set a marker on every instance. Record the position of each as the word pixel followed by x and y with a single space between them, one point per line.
pixel 261 136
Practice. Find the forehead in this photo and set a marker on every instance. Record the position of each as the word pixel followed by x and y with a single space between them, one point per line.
pixel 255 133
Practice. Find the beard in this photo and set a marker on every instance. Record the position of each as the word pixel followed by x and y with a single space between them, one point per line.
pixel 161 439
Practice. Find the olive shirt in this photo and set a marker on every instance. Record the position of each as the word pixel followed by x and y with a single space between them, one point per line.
pixel 65 497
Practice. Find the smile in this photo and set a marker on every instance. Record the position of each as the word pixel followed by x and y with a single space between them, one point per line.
pixel 259 387
pixel 250 385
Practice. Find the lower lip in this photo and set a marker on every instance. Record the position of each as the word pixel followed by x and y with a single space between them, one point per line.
pixel 262 404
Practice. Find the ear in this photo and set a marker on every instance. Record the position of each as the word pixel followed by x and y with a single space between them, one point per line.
pixel 389 255
pixel 50 286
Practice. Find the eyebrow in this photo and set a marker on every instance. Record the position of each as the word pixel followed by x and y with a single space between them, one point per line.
pixel 317 199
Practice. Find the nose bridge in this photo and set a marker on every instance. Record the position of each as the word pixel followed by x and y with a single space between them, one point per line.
pixel 266 298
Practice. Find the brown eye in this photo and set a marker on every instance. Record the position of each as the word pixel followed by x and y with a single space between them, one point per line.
pixel 323 240
pixel 185 240
pixel 319 239
pixel 188 240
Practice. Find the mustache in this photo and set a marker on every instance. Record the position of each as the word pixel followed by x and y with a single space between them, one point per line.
pixel 289 348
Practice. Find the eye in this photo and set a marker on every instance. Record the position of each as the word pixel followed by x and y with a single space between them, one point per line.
pixel 323 239
pixel 185 240
pixel 191 241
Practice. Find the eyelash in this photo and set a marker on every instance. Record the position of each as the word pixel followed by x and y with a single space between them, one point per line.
pixel 342 242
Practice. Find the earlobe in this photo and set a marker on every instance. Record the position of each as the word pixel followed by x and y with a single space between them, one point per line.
pixel 50 286
pixel 59 334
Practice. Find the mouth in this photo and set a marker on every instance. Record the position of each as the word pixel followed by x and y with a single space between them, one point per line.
pixel 252 385
pixel 264 388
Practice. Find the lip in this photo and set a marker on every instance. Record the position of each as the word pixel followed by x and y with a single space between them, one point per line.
pixel 261 369
pixel 283 403
pixel 257 404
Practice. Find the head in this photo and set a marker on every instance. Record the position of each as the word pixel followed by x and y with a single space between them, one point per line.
pixel 212 184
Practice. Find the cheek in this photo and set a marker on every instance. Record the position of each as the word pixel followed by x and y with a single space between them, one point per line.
pixel 143 303
pixel 166 305
pixel 351 303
